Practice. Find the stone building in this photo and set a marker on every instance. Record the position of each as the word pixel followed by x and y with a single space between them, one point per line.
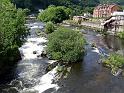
pixel 79 19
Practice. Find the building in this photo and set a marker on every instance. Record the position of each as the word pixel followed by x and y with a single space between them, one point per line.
pixel 105 10
pixel 118 15
pixel 115 22
pixel 79 19
pixel 87 15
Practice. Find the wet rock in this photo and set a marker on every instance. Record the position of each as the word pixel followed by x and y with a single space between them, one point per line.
pixel 50 90
pixel 13 90
pixel 28 85
pixel 30 91
pixel 51 66
pixel 34 52
pixel 123 73
pixel 17 84
pixel 118 72
pixel 4 91
pixel 38 56
pixel 43 44
pixel 100 61
pixel 93 45
pixel 44 54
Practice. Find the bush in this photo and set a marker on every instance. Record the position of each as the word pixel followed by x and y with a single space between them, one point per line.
pixel 115 62
pixel 66 45
pixel 120 35
pixel 49 28
pixel 12 29
pixel 54 14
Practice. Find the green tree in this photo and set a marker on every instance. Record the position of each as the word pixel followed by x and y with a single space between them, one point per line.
pixel 49 27
pixel 54 14
pixel 66 45
pixel 12 30
pixel 88 10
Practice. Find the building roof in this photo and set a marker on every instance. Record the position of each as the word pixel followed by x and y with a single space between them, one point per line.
pixel 100 6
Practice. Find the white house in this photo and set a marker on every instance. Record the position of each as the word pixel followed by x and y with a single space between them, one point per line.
pixel 119 16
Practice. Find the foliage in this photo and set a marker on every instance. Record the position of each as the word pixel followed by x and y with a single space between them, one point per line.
pixel 89 3
pixel 54 14
pixel 68 11
pixel 77 10
pixel 25 3
pixel 74 4
pixel 88 9
pixel 114 61
pixel 12 28
pixel 121 35
pixel 66 45
pixel 49 27
pixel 38 4
pixel 121 2
pixel 63 71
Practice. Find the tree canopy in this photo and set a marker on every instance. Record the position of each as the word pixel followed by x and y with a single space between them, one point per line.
pixel 54 14
pixel 12 28
pixel 34 4
pixel 66 45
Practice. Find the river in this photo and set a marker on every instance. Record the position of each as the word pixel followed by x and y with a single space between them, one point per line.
pixel 88 76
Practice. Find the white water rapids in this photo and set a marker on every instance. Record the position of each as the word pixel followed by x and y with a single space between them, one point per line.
pixel 30 50
pixel 32 45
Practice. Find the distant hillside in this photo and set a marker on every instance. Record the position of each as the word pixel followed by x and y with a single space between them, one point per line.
pixel 31 4
pixel 34 4
pixel 120 2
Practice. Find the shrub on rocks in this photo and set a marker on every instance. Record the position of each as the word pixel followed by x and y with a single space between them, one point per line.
pixel 115 62
pixel 66 45
pixel 49 28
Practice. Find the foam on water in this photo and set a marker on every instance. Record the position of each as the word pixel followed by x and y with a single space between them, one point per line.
pixel 96 50
pixel 46 82
pixel 32 45
pixel 100 51
pixel 36 44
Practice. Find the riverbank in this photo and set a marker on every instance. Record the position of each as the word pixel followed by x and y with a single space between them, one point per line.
pixel 91 75
pixel 117 72
pixel 92 24
pixel 31 72
pixel 85 24
pixel 96 26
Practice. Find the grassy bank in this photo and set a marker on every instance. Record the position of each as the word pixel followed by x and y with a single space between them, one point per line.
pixel 115 62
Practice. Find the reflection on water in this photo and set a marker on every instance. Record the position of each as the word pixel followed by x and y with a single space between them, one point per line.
pixel 114 43
pixel 87 76
pixel 91 77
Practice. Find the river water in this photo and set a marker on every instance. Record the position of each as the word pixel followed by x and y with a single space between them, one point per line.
pixel 88 76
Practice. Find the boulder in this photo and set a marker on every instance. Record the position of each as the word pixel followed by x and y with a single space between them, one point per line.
pixel 34 52
pixel 13 90
pixel 44 53
pixel 38 56
pixel 51 66
pixel 119 71
pixel 30 91
pixel 17 84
